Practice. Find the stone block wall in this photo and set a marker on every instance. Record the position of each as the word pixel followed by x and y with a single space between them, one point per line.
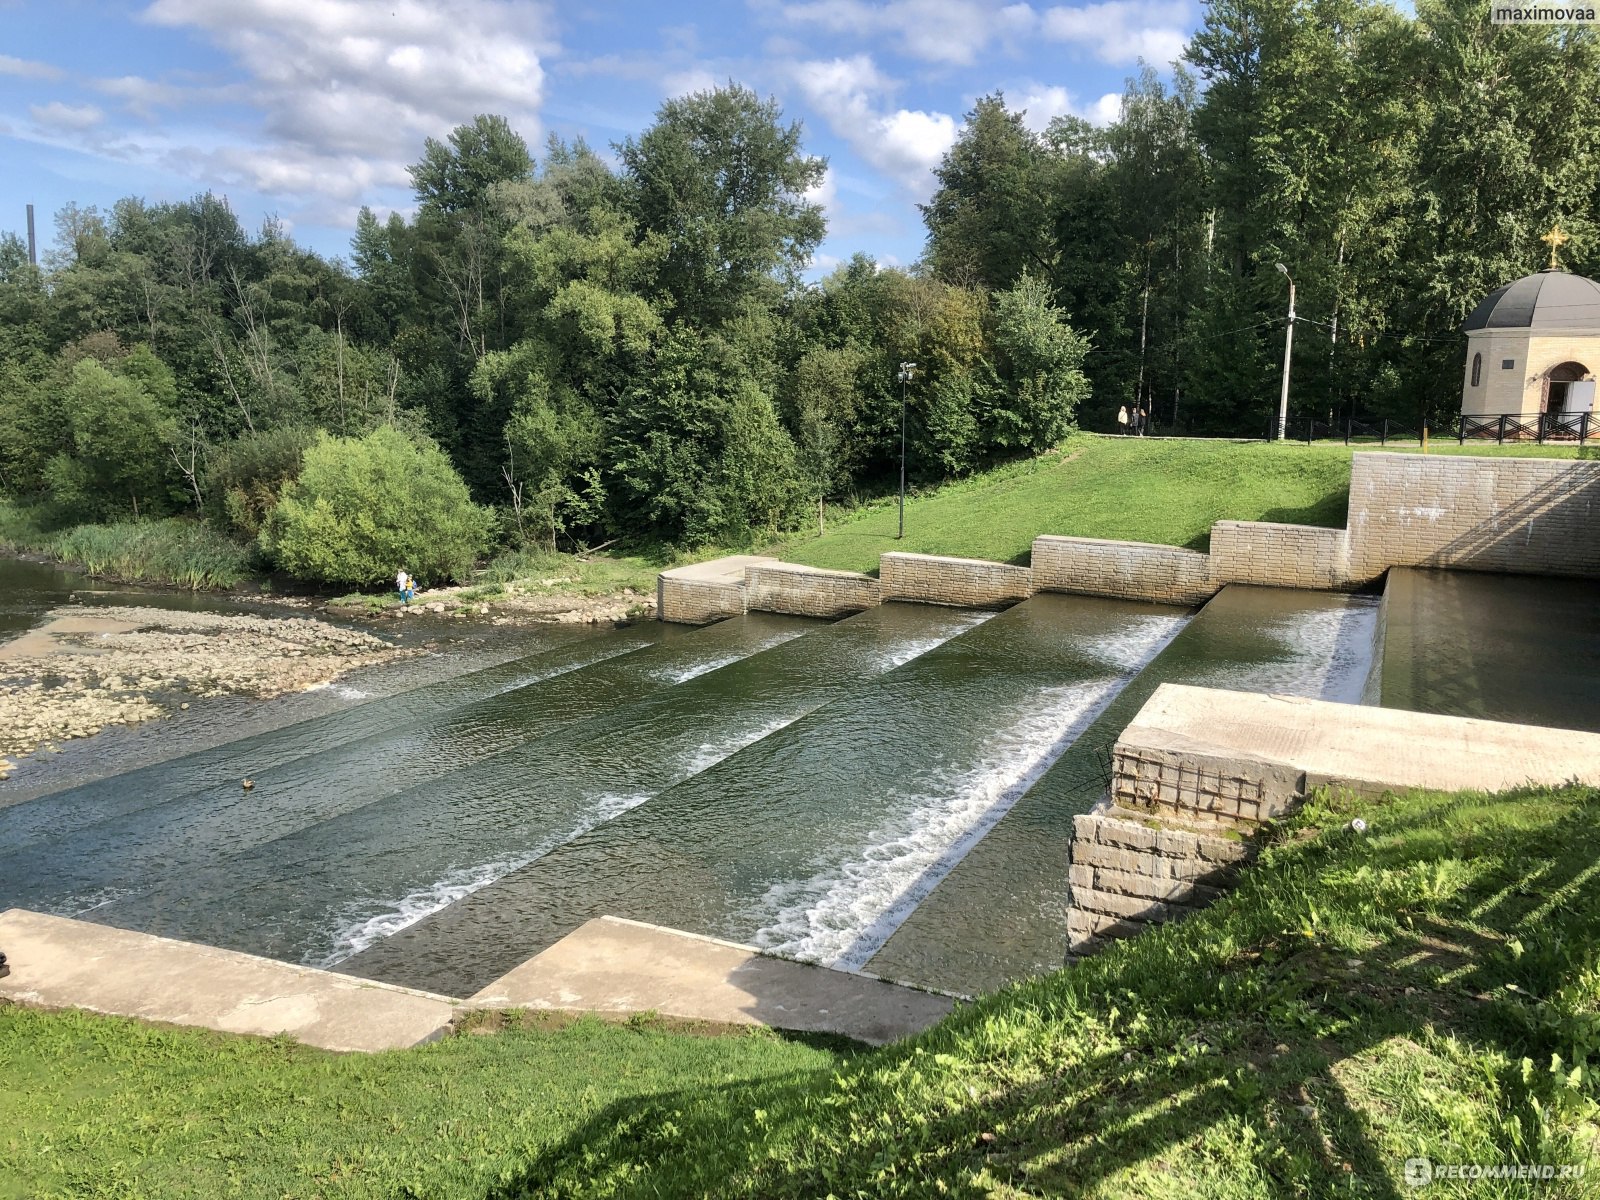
pixel 1191 788
pixel 697 602
pixel 1125 875
pixel 1272 555
pixel 808 591
pixel 962 582
pixel 1534 516
pixel 1126 570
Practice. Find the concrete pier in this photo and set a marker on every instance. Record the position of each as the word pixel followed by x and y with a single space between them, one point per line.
pixel 617 966
pixel 1199 770
pixel 606 966
pixel 61 963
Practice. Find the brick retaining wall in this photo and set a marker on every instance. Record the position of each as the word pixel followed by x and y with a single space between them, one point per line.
pixel 1533 516
pixel 1126 570
pixel 1271 555
pixel 808 591
pixel 697 602
pixel 963 582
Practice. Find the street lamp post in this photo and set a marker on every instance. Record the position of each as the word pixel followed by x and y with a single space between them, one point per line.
pixel 907 369
pixel 1288 344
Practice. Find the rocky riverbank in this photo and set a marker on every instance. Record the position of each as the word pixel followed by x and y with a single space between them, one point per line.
pixel 89 667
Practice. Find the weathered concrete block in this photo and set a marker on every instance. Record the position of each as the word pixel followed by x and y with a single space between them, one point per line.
pixel 961 582
pixel 808 591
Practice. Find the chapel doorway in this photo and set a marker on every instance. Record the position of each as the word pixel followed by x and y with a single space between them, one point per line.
pixel 1558 381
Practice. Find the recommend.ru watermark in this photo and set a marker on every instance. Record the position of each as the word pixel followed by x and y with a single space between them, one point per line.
pixel 1420 1172
pixel 1543 14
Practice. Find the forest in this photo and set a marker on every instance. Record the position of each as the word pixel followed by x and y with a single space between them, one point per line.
pixel 551 351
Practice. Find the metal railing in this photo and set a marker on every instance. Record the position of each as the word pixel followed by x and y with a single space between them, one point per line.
pixel 1533 427
pixel 1350 430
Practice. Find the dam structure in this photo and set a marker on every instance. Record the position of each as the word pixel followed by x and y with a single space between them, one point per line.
pixel 881 775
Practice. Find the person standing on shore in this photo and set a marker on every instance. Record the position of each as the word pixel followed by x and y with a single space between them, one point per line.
pixel 405 585
pixel 1122 419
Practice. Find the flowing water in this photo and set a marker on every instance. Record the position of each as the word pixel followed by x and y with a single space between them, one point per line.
pixel 891 792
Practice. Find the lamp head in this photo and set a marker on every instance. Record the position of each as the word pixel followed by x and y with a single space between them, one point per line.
pixel 1283 268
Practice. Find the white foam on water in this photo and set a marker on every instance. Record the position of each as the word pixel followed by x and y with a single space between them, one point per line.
pixel 709 754
pixel 1132 645
pixel 842 916
pixel 1328 655
pixel 356 935
pixel 899 655
pixel 87 902
pixel 683 674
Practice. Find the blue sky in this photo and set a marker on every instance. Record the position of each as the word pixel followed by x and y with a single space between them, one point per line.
pixel 307 109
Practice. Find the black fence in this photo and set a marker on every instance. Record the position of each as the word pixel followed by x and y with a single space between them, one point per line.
pixel 1350 431
pixel 1532 427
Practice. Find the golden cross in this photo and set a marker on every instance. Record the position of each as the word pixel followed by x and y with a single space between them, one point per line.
pixel 1555 238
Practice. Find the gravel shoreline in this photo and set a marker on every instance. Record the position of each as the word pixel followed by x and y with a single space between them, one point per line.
pixel 88 667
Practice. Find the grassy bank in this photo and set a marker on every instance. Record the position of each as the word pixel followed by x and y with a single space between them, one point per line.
pixel 1428 987
pixel 1137 489
pixel 176 552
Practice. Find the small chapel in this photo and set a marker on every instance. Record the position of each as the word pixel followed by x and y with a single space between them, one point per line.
pixel 1533 346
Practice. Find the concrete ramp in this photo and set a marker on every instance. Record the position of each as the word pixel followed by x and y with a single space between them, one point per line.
pixel 610 965
pixel 56 962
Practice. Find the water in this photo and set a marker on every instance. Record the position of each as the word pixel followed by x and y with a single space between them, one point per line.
pixel 892 792
pixel 1001 914
pixel 1498 647
pixel 310 776
pixel 818 838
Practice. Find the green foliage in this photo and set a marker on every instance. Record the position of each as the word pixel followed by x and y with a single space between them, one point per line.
pixel 364 507
pixel 1041 359
pixel 246 477
pixel 118 460
pixel 175 551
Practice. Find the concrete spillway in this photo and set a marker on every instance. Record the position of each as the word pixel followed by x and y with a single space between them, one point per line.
pixel 893 791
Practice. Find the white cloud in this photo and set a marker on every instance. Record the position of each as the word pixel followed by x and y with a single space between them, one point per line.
pixel 28 69
pixel 1042 105
pixel 65 118
pixel 942 31
pixel 851 95
pixel 687 83
pixel 825 191
pixel 1123 31
pixel 348 89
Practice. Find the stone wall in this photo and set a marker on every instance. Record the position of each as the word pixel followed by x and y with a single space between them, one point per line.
pixel 1126 570
pixel 1125 875
pixel 808 591
pixel 963 582
pixel 1533 516
pixel 695 601
pixel 1271 555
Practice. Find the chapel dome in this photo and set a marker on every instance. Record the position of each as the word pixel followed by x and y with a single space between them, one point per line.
pixel 1549 300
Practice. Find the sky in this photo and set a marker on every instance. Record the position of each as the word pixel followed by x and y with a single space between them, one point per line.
pixel 304 110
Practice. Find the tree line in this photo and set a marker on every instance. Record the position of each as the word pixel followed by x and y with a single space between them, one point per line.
pixel 1400 167
pixel 602 353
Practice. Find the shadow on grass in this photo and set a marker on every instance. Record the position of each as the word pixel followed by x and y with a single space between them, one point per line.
pixel 1230 1043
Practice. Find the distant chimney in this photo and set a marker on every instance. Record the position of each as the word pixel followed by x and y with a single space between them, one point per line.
pixel 33 248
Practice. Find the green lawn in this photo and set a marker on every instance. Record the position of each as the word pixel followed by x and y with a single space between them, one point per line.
pixel 1428 987
pixel 1138 489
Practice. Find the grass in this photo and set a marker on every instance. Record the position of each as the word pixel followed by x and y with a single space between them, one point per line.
pixel 1430 987
pixel 174 551
pixel 1169 492
pixel 540 572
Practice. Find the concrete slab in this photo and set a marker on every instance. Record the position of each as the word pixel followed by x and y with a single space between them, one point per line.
pixel 56 962
pixel 1365 748
pixel 719 570
pixel 614 965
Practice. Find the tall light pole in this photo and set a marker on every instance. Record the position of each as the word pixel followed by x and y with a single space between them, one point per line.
pixel 907 369
pixel 1288 345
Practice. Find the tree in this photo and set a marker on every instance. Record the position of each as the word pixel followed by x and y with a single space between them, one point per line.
pixel 723 182
pixel 363 507
pixel 1040 360
pixel 119 432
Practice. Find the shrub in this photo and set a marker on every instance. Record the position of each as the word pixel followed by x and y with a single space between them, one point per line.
pixel 363 507
pixel 246 477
